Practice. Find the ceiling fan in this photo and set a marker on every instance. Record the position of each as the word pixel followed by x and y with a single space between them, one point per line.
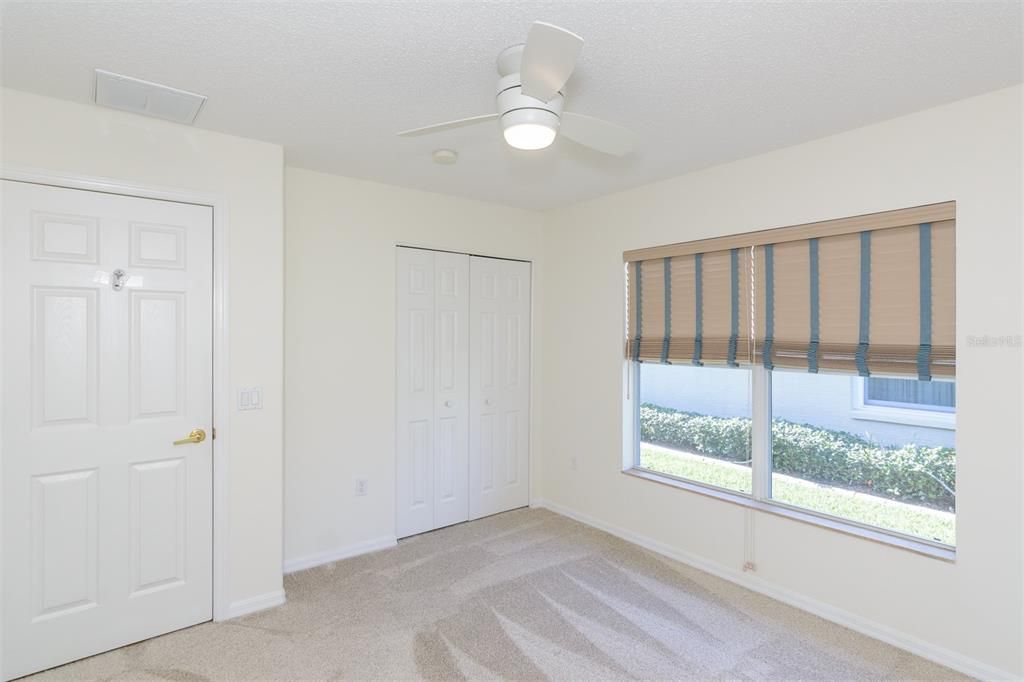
pixel 530 101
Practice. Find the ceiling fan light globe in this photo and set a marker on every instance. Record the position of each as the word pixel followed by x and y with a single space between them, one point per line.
pixel 529 128
pixel 529 136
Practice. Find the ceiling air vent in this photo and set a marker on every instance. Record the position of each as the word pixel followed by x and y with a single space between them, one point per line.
pixel 150 99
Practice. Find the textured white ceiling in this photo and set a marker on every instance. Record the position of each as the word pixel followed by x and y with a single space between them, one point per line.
pixel 702 83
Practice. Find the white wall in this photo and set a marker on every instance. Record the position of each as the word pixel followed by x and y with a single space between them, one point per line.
pixel 340 241
pixel 970 611
pixel 74 139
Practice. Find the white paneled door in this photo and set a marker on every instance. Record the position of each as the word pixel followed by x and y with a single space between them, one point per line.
pixel 432 372
pixel 107 361
pixel 499 379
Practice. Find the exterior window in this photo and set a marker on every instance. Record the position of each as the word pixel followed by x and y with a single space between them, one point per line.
pixel 937 396
pixel 695 424
pixel 909 402
pixel 894 475
pixel 807 371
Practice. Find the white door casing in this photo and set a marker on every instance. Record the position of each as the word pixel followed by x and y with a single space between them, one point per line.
pixel 499 362
pixel 107 525
pixel 432 374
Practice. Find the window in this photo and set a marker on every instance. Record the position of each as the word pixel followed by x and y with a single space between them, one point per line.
pixel 899 477
pixel 695 424
pixel 934 396
pixel 746 350
pixel 907 401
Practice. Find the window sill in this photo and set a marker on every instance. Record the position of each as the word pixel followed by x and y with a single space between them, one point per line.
pixel 923 547
pixel 898 415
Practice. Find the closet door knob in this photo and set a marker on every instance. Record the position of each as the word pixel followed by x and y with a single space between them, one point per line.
pixel 447 403
pixel 487 401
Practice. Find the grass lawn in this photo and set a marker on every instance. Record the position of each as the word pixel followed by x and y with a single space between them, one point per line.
pixel 875 511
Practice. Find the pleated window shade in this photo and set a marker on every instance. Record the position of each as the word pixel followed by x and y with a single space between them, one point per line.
pixel 691 309
pixel 872 294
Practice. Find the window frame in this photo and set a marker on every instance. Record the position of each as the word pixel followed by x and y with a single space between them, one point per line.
pixel 760 499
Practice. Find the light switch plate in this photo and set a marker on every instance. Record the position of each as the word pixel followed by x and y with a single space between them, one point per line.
pixel 250 398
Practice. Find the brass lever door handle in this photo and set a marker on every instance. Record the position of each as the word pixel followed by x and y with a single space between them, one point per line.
pixel 197 436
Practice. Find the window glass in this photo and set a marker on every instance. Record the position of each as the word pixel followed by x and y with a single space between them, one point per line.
pixel 935 395
pixel 896 476
pixel 695 424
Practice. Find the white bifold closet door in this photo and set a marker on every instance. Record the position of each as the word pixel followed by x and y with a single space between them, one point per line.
pixel 433 389
pixel 462 369
pixel 499 386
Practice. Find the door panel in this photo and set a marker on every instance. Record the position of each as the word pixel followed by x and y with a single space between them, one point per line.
pixel 158 354
pixel 433 385
pixel 64 543
pixel 64 343
pixel 499 385
pixel 107 525
pixel 414 410
pixel 451 399
pixel 159 513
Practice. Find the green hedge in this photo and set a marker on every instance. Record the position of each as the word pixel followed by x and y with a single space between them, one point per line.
pixel 812 453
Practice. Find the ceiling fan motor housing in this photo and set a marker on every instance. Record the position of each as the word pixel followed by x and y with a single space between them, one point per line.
pixel 516 108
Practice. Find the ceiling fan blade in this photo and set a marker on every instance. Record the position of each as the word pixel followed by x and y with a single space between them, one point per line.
pixel 438 127
pixel 548 60
pixel 609 138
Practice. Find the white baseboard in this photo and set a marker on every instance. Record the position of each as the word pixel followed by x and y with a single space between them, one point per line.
pixel 243 607
pixel 884 633
pixel 365 547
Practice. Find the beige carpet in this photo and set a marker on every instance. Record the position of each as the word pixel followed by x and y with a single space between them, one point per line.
pixel 525 595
